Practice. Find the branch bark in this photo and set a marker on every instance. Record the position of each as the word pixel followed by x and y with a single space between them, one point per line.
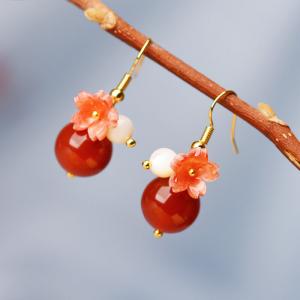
pixel 278 133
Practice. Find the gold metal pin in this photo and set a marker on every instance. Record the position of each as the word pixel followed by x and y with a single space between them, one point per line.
pixel 192 172
pixel 158 234
pixel 95 114
pixel 70 175
pixel 130 143
pixel 146 164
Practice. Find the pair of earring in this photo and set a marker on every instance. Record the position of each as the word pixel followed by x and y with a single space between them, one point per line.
pixel 171 202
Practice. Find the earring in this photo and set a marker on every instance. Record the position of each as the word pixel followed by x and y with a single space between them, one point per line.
pixel 171 202
pixel 84 146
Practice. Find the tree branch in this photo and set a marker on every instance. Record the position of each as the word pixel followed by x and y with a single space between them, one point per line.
pixel 274 129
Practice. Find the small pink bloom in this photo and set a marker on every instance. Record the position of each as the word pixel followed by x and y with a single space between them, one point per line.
pixel 96 114
pixel 191 170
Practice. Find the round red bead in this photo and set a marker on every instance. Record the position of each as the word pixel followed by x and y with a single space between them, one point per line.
pixel 168 211
pixel 79 155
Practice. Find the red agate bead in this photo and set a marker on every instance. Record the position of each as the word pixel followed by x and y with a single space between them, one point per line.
pixel 79 155
pixel 168 211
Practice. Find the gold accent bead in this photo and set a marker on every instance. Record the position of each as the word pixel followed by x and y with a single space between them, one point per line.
pixel 192 172
pixel 95 114
pixel 118 95
pixel 158 234
pixel 70 175
pixel 130 143
pixel 146 164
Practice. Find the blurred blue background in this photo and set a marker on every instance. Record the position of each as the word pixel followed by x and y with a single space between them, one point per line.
pixel 86 238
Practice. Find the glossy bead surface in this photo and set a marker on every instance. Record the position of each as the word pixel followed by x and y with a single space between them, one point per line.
pixel 160 162
pixel 79 155
pixel 122 132
pixel 167 211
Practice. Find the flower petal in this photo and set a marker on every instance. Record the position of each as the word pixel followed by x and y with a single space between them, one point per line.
pixel 80 123
pixel 81 98
pixel 176 185
pixel 210 172
pixel 197 190
pixel 113 117
pixel 97 131
pixel 100 94
pixel 108 98
pixel 199 152
pixel 175 163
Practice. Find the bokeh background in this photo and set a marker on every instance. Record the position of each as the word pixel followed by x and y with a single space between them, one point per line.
pixel 86 238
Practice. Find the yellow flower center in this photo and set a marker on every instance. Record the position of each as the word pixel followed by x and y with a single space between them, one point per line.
pixel 192 172
pixel 95 114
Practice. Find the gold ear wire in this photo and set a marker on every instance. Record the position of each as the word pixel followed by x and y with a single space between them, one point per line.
pixel 118 92
pixel 139 59
pixel 232 135
pixel 210 128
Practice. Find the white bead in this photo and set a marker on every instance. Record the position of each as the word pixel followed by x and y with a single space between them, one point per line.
pixel 122 132
pixel 160 162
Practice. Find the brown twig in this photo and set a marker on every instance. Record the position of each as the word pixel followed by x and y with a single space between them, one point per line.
pixel 278 133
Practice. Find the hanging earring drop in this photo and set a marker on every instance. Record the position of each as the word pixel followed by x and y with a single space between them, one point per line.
pixel 84 146
pixel 171 202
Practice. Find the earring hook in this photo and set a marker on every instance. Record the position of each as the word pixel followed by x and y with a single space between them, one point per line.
pixel 118 92
pixel 139 59
pixel 210 129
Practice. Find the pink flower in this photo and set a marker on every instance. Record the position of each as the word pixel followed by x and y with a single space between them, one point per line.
pixel 191 170
pixel 96 114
